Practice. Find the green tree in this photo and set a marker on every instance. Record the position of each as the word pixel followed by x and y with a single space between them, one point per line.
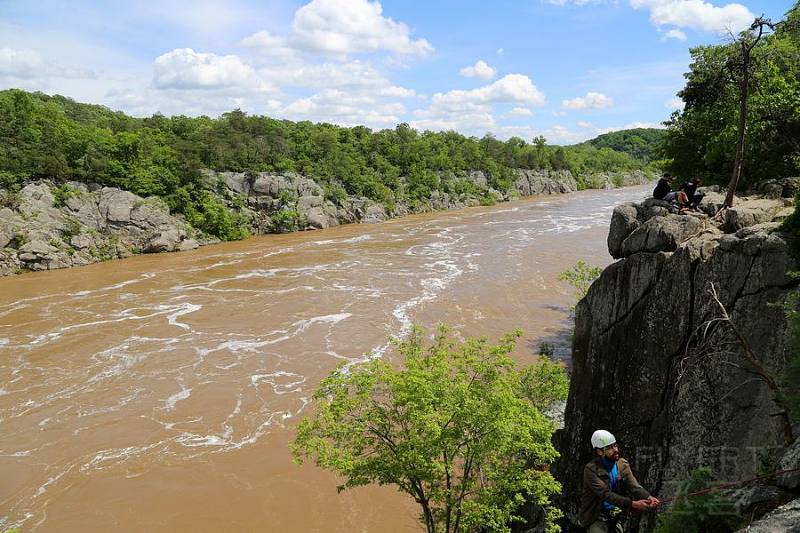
pixel 580 276
pixel 703 513
pixel 458 429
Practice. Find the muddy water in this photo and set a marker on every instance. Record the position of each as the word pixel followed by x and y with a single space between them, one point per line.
pixel 159 393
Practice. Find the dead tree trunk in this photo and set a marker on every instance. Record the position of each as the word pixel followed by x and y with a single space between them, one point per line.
pixel 747 42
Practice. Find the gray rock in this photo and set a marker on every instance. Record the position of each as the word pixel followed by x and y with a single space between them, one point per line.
pixel 304 203
pixel 271 185
pixel 373 214
pixel 790 461
pixel 188 244
pixel 750 213
pixel 238 182
pixel 623 222
pixel 680 400
pixel 165 241
pixel 784 519
pixel 115 205
pixel 660 234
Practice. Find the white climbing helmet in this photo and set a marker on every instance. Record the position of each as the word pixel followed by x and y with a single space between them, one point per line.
pixel 602 438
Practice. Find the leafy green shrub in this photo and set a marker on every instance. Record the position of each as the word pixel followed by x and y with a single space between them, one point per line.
pixel 706 513
pixel 287 220
pixel 580 276
pixel 458 429
pixel 62 193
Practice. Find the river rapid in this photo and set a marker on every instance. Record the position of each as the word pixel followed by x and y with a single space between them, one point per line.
pixel 159 393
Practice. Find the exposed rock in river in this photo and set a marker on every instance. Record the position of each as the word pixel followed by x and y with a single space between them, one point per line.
pixel 675 394
pixel 43 230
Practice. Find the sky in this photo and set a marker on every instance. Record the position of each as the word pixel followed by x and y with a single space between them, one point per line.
pixel 565 69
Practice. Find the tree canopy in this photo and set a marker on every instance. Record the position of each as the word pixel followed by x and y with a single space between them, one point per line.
pixel 701 139
pixel 458 429
pixel 56 138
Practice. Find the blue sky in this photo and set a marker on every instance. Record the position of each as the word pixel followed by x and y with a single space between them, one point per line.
pixel 565 69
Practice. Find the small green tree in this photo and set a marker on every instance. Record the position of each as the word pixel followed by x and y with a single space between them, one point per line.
pixel 458 429
pixel 710 512
pixel 580 276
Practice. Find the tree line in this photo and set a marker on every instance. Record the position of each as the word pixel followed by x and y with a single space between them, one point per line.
pixel 54 137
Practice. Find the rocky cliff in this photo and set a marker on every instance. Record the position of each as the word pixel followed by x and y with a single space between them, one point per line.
pixel 43 227
pixel 653 363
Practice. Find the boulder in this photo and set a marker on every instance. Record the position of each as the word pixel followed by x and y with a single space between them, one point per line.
pixel 660 234
pixel 750 213
pixel 115 205
pixel 623 222
pixel 164 241
pixel 238 182
pixel 271 185
pixel 784 519
pixel 373 214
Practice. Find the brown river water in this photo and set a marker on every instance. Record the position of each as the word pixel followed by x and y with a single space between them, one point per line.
pixel 159 393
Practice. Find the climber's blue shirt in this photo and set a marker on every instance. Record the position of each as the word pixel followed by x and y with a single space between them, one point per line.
pixel 613 481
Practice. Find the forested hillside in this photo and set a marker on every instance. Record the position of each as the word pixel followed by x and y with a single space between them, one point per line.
pixel 701 139
pixel 56 138
pixel 644 144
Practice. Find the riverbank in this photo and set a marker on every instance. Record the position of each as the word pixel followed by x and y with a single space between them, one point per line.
pixel 48 227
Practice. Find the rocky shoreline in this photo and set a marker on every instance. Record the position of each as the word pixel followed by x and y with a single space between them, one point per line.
pixel 46 227
pixel 651 364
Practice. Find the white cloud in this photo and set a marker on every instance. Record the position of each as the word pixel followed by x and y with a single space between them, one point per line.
pixel 343 27
pixel 675 34
pixel 674 104
pixel 592 100
pixel 479 70
pixel 346 108
pixel 500 52
pixel 267 44
pixel 562 134
pixel 510 88
pixel 183 68
pixel 584 124
pixel 29 64
pixel 519 112
pixel 697 14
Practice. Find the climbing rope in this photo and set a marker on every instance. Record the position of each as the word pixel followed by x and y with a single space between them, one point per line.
pixel 728 486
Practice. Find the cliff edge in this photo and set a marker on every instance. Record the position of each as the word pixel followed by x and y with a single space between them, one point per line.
pixel 651 364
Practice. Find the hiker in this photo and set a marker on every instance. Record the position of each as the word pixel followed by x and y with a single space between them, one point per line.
pixel 609 488
pixel 690 188
pixel 663 191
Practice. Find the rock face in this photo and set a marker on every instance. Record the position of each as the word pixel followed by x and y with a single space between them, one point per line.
pixel 784 519
pixel 675 394
pixel 85 227
pixel 90 224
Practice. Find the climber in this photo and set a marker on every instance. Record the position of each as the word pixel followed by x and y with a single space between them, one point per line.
pixel 608 488
pixel 663 191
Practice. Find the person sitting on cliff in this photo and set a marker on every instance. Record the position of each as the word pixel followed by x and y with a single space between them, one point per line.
pixel 690 188
pixel 663 191
pixel 608 488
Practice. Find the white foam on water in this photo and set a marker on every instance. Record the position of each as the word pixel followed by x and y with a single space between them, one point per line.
pixel 360 238
pixel 279 388
pixel 183 394
pixel 302 325
pixel 4 341
pixel 49 482
pixel 184 309
pixel 23 453
pixel 3 392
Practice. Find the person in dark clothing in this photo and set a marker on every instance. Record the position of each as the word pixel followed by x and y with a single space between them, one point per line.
pixel 663 191
pixel 690 188
pixel 609 487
